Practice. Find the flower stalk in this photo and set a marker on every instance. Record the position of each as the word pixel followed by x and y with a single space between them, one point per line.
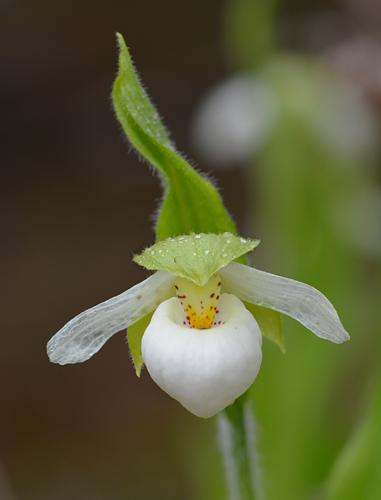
pixel 237 439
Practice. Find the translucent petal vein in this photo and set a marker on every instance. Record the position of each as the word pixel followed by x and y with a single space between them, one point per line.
pixel 298 300
pixel 85 334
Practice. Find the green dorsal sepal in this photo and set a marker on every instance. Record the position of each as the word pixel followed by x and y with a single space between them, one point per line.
pixel 195 256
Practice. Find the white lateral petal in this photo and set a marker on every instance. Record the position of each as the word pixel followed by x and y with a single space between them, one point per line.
pixel 298 300
pixel 85 334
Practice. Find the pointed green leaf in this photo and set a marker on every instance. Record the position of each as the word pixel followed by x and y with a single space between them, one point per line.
pixel 196 256
pixel 134 336
pixel 191 203
pixel 269 323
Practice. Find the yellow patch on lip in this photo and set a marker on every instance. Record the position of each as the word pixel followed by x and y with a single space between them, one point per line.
pixel 199 302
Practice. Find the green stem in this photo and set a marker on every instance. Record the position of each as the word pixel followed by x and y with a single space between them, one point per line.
pixel 236 428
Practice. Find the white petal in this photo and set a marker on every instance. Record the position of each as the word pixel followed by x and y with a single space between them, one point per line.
pixel 85 334
pixel 207 369
pixel 298 300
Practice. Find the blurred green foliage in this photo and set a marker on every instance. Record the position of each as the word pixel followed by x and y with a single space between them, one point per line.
pixel 357 471
pixel 249 32
pixel 307 401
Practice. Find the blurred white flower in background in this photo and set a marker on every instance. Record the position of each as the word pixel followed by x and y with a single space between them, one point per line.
pixel 236 117
pixel 239 115
pixel 232 121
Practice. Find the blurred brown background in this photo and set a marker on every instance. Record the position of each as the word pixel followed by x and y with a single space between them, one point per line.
pixel 75 206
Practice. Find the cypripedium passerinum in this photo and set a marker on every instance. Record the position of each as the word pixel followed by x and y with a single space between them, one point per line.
pixel 202 345
pixel 197 322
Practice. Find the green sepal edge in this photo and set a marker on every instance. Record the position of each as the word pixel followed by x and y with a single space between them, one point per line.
pixel 269 322
pixel 135 334
pixel 191 203
pixel 195 256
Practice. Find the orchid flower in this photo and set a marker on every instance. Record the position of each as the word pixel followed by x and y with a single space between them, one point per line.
pixel 197 322
pixel 202 345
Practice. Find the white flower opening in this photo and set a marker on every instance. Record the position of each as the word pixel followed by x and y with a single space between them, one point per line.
pixel 204 369
pixel 199 302
pixel 202 347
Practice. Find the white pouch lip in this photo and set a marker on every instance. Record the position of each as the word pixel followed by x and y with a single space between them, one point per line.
pixel 207 369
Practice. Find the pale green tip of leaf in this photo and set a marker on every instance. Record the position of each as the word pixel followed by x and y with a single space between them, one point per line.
pixel 133 108
pixel 195 256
